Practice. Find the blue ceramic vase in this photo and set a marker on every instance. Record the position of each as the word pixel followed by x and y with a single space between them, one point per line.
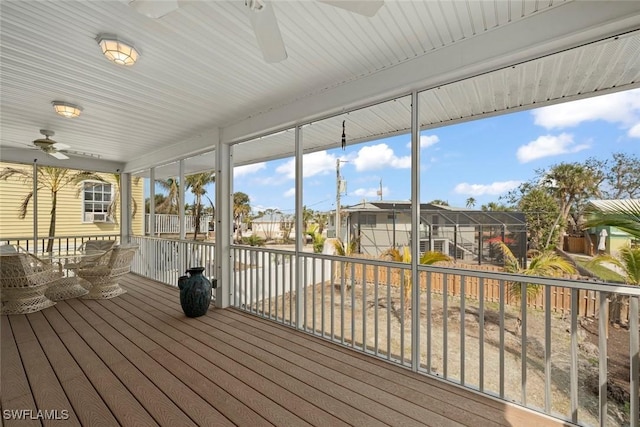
pixel 195 292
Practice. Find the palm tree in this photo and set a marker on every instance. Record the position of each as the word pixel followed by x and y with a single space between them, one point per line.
pixel 241 208
pixel 317 239
pixel 197 183
pixel 622 214
pixel 404 255
pixel 545 264
pixel 321 219
pixel 307 217
pixel 171 202
pixel 471 202
pixel 570 183
pixel 343 250
pixel 115 202
pixel 51 178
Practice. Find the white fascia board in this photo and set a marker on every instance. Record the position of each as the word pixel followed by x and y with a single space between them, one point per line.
pixel 12 155
pixel 566 26
pixel 199 144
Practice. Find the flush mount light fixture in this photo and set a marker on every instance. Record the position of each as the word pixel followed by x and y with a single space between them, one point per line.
pixel 67 110
pixel 117 50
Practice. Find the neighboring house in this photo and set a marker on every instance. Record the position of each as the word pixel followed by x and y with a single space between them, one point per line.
pixel 273 226
pixel 614 239
pixel 80 211
pixel 459 233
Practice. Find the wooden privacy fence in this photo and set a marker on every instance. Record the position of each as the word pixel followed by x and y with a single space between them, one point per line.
pixel 581 244
pixel 560 296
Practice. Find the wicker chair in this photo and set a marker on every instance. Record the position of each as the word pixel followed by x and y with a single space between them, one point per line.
pixel 104 272
pixel 24 278
pixel 98 246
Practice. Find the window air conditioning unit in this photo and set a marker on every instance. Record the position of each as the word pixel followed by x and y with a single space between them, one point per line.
pixel 96 217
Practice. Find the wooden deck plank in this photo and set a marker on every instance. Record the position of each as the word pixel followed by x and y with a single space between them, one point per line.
pixel 158 405
pixel 230 406
pixel 48 394
pixel 85 400
pixel 327 400
pixel 188 401
pixel 202 362
pixel 352 392
pixel 15 392
pixel 139 361
pixel 253 370
pixel 115 395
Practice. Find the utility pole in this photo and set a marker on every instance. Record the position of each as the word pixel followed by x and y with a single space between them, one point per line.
pixel 339 190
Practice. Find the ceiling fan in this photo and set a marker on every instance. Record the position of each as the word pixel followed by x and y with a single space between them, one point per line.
pixel 263 19
pixel 51 147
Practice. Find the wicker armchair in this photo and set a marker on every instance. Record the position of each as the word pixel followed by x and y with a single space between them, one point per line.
pixel 105 270
pixel 24 278
pixel 89 247
pixel 97 245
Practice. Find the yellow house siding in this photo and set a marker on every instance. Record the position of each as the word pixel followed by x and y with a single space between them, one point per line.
pixel 69 209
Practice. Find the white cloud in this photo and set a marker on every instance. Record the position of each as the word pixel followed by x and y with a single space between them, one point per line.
pixel 492 189
pixel 619 107
pixel 312 164
pixel 634 132
pixel 239 171
pixel 370 192
pixel 548 145
pixel 379 156
pixel 290 192
pixel 426 141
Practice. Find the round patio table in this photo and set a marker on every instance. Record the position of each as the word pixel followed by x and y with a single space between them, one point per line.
pixel 69 286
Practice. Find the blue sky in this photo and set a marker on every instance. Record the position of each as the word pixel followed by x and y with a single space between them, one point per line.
pixel 483 159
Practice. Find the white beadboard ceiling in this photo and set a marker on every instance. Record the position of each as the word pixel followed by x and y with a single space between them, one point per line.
pixel 201 77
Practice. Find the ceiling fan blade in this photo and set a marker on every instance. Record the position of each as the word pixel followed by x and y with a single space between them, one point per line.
pixel 61 146
pixel 154 8
pixel 362 7
pixel 265 26
pixel 58 155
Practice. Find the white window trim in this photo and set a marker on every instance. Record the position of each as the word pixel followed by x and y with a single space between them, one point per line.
pixel 107 220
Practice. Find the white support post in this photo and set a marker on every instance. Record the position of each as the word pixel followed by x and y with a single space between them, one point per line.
pixel 182 187
pixel 300 289
pixel 152 202
pixel 35 206
pixel 125 208
pixel 415 233
pixel 224 226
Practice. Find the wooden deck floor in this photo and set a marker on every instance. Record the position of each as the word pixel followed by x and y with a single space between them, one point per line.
pixel 136 360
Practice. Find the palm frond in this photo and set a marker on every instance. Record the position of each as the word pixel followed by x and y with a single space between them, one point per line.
pixel 10 172
pixel 511 264
pixel 622 214
pixel 392 254
pixel 431 257
pixel 24 204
